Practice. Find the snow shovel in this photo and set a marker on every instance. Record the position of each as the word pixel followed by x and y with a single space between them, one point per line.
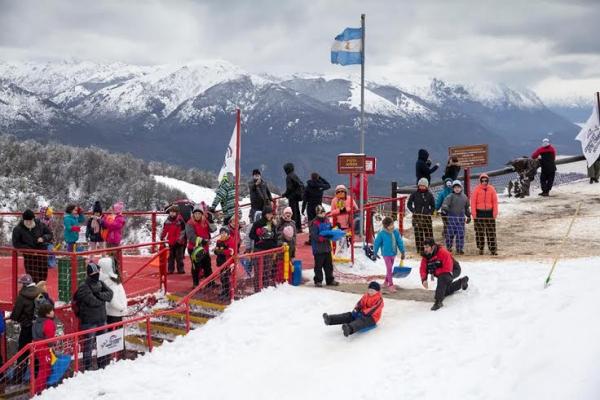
pixel 400 271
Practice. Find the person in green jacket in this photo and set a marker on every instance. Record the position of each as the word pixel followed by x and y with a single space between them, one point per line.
pixel 225 196
pixel 73 218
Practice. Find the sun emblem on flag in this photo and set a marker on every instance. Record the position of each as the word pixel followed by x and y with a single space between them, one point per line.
pixel 347 46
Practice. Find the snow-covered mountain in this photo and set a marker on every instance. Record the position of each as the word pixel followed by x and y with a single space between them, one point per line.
pixel 576 109
pixel 306 119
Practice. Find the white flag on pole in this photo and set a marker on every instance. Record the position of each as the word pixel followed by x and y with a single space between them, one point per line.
pixel 229 163
pixel 589 136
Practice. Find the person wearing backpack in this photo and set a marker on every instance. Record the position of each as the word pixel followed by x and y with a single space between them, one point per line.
pixel 294 191
pixel 90 307
pixel 24 313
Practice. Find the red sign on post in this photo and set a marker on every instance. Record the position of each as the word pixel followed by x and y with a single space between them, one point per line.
pixel 370 165
pixel 351 163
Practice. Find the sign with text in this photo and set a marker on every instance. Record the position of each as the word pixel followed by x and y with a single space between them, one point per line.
pixel 351 163
pixel 110 342
pixel 370 165
pixel 470 156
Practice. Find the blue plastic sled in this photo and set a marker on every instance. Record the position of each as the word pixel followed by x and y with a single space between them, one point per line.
pixel 401 272
pixel 63 361
pixel 247 264
pixel 368 328
pixel 333 234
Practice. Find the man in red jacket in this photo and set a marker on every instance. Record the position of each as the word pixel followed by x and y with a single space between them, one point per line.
pixel 439 263
pixel 547 155
pixel 174 231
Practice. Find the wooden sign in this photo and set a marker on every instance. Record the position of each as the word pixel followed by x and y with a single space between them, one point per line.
pixel 470 156
pixel 350 163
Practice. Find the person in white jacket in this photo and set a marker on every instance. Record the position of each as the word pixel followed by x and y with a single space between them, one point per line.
pixel 116 309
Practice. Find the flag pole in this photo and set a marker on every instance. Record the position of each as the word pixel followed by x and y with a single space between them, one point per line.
pixel 236 216
pixel 598 105
pixel 362 125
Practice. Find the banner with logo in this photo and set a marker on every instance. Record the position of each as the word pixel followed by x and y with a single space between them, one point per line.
pixel 110 342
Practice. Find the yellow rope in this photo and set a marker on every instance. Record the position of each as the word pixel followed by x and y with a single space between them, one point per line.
pixel 561 246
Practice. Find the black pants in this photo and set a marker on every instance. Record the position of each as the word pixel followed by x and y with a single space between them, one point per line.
pixel 423 229
pixel 547 180
pixel 25 337
pixel 295 205
pixel 356 321
pixel 324 262
pixel 176 253
pixel 445 286
pixel 201 265
pixel 485 228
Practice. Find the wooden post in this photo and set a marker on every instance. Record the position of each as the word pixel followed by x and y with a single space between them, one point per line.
pixel 468 182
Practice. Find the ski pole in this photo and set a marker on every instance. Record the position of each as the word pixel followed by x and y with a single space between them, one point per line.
pixel 561 246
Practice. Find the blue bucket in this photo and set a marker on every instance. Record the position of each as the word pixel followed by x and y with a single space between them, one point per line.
pixel 297 273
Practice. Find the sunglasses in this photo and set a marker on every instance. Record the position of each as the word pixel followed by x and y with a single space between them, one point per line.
pixel 341 191
pixel 485 180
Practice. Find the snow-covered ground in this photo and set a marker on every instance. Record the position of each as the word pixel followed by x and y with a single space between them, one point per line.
pixel 194 193
pixel 504 338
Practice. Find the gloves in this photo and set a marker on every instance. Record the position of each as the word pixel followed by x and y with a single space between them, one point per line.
pixel 79 210
pixel 403 256
pixel 75 228
pixel 469 219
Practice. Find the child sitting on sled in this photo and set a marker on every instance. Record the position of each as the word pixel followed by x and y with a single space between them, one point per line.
pixel 366 313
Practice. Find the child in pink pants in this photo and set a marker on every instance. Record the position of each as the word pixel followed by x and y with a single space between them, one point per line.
pixel 390 242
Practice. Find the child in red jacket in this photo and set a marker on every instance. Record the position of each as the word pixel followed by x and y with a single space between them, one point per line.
pixel 43 328
pixel 366 313
pixel 224 250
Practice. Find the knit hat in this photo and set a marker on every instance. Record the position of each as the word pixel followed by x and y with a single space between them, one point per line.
pixel 25 279
pixel 340 188
pixel 546 142
pixel 92 269
pixel 267 210
pixel 255 172
pixel 375 286
pixel 482 176
pixel 429 242
pixel 423 182
pixel 457 183
pixel 173 208
pixel 448 182
pixel 288 210
pixel 197 209
pixel 97 207
pixel 28 215
pixel 224 229
pixel 118 207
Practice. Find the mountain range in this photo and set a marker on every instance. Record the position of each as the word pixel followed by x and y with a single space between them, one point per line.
pixel 184 114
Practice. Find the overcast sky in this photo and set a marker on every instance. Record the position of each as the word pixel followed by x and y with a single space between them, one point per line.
pixel 550 46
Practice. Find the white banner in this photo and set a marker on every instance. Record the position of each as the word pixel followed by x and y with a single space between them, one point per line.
pixel 110 342
pixel 589 136
pixel 229 163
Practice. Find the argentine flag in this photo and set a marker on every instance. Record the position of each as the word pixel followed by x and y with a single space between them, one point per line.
pixel 347 47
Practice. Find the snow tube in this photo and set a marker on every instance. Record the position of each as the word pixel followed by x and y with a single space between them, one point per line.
pixel 401 272
pixel 333 234
pixel 368 328
pixel 63 361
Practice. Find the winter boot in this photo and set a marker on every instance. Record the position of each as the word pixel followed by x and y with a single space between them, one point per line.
pixel 437 305
pixel 326 318
pixel 460 252
pixel 318 284
pixel 480 252
pixel 347 329
pixel 333 283
pixel 464 283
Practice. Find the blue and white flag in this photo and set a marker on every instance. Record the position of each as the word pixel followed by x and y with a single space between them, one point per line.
pixel 347 47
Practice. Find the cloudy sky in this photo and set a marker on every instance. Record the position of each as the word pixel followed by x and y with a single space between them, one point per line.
pixel 550 46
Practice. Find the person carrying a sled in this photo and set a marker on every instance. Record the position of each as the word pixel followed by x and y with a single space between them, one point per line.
pixel 366 313
pixel 438 262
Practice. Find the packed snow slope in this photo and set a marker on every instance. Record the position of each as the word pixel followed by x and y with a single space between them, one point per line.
pixel 504 338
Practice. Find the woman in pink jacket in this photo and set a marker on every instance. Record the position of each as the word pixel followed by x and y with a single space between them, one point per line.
pixel 342 206
pixel 114 223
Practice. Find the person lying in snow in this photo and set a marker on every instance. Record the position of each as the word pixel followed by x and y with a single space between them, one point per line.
pixel 366 313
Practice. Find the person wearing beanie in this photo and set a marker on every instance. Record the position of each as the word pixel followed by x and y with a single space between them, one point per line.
pixel 389 240
pixel 116 308
pixel 547 156
pixel 264 235
pixel 197 231
pixel 422 205
pixel 365 315
pixel 342 205
pixel 30 233
pixel 23 313
pixel 456 209
pixel 484 206
pixel 260 195
pixel 287 224
pixel 423 167
pixel 321 248
pixel 94 228
pixel 71 221
pixel 438 262
pixel 313 194
pixel 173 231
pixel 91 298
pixel 224 250
pixel 114 223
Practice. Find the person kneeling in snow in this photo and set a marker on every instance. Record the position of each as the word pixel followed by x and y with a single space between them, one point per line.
pixel 439 263
pixel 366 313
